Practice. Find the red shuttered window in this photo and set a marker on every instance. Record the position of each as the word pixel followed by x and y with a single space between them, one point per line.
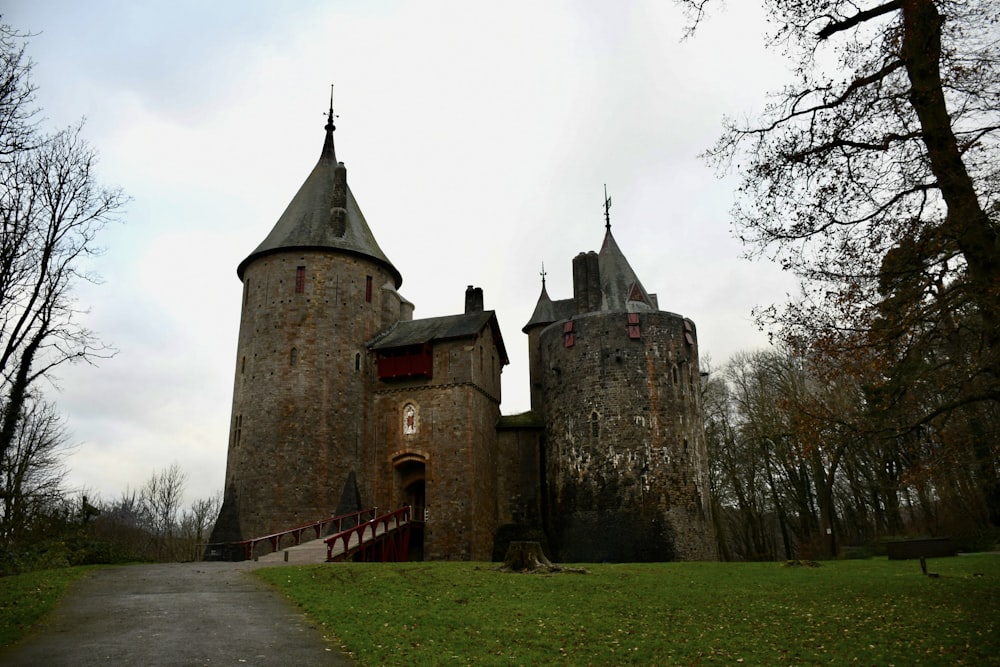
pixel 633 326
pixel 569 336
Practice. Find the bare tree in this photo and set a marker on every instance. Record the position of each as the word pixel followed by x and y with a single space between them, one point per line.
pixel 794 463
pixel 161 496
pixel 51 210
pixel 874 176
pixel 31 471
pixel 16 95
pixel 197 522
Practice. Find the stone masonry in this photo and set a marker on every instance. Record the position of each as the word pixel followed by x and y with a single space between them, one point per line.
pixel 343 401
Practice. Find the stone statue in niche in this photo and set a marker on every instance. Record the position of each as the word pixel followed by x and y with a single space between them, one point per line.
pixel 409 419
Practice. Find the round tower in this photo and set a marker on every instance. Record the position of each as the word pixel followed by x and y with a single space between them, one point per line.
pixel 314 292
pixel 619 386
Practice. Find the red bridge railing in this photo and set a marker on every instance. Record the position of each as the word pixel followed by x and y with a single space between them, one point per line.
pixel 274 539
pixel 385 538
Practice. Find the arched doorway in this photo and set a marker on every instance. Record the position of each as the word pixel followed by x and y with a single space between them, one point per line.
pixel 410 476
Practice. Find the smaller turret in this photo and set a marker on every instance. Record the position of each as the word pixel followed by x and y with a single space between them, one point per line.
pixel 623 446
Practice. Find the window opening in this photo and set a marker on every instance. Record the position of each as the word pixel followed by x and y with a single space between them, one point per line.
pixel 569 336
pixel 595 425
pixel 368 289
pixel 300 279
pixel 293 356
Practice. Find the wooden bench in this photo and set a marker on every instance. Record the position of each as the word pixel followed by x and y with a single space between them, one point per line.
pixel 924 548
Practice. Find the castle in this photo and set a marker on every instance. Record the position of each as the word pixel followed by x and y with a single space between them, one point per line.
pixel 342 400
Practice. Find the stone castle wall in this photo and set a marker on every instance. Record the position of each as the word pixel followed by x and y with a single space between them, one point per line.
pixel 302 377
pixel 451 441
pixel 625 453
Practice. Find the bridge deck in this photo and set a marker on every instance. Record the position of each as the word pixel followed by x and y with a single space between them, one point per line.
pixel 321 550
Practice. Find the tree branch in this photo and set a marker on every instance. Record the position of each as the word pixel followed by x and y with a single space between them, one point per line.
pixel 798 156
pixel 839 26
pixel 795 112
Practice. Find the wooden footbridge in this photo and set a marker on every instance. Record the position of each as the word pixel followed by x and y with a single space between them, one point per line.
pixel 365 535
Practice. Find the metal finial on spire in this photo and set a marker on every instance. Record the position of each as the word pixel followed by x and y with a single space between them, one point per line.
pixel 330 115
pixel 328 152
pixel 543 274
pixel 607 209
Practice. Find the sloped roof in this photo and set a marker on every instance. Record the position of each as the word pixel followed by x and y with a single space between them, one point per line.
pixel 544 312
pixel 448 327
pixel 621 290
pixel 307 222
pixel 548 311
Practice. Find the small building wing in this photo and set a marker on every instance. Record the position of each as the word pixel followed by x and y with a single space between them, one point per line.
pixel 405 349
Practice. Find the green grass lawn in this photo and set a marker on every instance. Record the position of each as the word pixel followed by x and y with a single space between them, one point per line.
pixel 27 598
pixel 866 612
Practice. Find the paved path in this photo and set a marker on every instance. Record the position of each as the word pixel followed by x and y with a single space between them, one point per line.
pixel 174 614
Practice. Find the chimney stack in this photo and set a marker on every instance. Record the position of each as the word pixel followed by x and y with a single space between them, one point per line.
pixel 473 299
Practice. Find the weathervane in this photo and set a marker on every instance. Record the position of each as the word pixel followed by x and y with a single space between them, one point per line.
pixel 543 274
pixel 607 209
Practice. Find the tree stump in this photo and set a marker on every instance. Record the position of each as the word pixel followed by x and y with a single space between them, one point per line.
pixel 525 557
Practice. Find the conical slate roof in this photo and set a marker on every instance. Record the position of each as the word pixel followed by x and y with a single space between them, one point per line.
pixel 548 311
pixel 308 222
pixel 621 290
pixel 544 312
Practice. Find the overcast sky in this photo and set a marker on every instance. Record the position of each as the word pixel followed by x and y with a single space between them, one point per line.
pixel 478 138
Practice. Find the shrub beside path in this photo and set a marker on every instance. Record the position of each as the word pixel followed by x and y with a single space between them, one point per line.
pixel 174 614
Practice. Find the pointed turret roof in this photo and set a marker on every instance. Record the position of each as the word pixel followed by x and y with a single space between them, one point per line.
pixel 544 312
pixel 548 311
pixel 620 288
pixel 315 220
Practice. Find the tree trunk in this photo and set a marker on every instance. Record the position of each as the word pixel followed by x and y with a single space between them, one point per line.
pixel 966 221
pixel 525 556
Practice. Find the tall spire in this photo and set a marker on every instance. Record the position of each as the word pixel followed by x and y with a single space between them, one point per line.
pixel 328 152
pixel 607 209
pixel 323 215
